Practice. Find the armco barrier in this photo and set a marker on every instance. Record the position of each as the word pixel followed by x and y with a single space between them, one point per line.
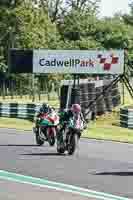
pixel 22 111
pixel 126 117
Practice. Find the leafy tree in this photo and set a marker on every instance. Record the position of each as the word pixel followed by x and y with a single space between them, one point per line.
pixel 58 24
pixel 128 18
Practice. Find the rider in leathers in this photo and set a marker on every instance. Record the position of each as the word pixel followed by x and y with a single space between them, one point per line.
pixel 45 108
pixel 75 112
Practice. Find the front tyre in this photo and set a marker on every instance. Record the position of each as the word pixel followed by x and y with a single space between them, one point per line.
pixel 51 140
pixel 60 149
pixel 72 144
pixel 39 140
pixel 60 142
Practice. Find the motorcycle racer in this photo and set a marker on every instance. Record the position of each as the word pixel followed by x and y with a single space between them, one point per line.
pixel 44 109
pixel 73 112
pixel 72 124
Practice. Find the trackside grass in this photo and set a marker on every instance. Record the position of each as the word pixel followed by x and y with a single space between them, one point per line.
pixel 19 124
pixel 106 127
pixel 109 132
pixel 100 129
pixel 54 101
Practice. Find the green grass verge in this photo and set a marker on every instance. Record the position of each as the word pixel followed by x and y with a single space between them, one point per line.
pixel 106 132
pixel 104 127
pixel 15 123
pixel 107 127
pixel 54 101
pixel 100 129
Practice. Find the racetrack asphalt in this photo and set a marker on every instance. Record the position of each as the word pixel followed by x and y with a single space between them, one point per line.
pixel 16 191
pixel 102 166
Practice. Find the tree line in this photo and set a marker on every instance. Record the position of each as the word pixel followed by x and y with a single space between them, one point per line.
pixel 56 24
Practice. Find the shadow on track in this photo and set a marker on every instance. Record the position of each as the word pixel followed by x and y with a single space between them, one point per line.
pixel 115 173
pixel 19 145
pixel 43 154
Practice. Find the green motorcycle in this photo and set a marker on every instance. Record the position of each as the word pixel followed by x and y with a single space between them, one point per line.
pixel 68 136
pixel 47 124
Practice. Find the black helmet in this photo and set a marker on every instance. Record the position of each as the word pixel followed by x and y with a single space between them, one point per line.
pixel 45 107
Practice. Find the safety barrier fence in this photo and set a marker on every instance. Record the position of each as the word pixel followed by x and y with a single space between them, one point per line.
pixel 16 110
pixel 126 117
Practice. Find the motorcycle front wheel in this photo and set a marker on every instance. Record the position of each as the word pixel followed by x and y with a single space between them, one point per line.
pixel 51 140
pixel 72 143
pixel 60 149
pixel 60 142
pixel 39 140
pixel 51 134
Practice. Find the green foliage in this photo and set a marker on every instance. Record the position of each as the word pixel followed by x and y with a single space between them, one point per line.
pixel 46 24
pixel 35 29
pixel 84 23
pixel 128 18
pixel 113 33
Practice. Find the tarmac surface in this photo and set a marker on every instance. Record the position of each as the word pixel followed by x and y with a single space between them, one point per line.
pixel 97 165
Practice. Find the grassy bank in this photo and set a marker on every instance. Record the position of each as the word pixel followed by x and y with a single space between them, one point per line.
pixel 100 129
pixel 109 132
pixel 105 127
pixel 19 124
pixel 25 99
